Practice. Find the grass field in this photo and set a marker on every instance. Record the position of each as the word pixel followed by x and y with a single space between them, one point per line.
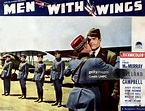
pixel 12 103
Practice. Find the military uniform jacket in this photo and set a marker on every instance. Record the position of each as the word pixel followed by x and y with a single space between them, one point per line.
pixel 107 56
pixel 58 67
pixel 23 70
pixel 39 71
pixel 85 95
pixel 7 69
pixel 107 86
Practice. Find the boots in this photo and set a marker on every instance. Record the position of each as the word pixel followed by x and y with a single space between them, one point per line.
pixel 59 104
pixel 60 99
pixel 38 92
pixel 41 96
pixel 24 93
pixel 55 104
pixel 23 96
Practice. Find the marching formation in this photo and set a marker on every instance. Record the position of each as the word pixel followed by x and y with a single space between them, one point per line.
pixel 87 94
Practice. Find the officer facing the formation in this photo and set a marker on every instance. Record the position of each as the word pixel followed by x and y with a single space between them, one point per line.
pixel 58 67
pixel 22 75
pixel 39 73
pixel 109 57
pixel 85 96
pixel 6 74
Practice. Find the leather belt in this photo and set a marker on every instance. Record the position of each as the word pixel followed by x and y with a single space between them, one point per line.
pixel 86 85
pixel 56 70
pixel 21 70
pixel 37 71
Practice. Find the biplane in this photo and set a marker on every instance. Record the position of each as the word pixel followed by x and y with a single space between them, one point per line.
pixel 73 54
pixel 64 53
pixel 41 4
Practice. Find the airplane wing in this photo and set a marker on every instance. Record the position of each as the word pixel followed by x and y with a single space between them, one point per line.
pixel 118 49
pixel 26 52
pixel 65 53
pixel 73 54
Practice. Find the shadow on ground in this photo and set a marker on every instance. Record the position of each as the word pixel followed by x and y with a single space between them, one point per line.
pixel 68 85
pixel 15 94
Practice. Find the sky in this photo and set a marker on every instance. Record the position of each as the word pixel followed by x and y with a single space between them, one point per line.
pixel 56 33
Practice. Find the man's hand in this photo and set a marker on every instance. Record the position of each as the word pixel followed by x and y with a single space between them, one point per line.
pixel 41 79
pixel 61 80
pixel 115 94
pixel 7 77
pixel 25 78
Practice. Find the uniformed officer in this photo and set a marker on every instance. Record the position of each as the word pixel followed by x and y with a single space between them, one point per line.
pixel 6 74
pixel 22 75
pixel 39 73
pixel 85 95
pixel 58 67
pixel 106 86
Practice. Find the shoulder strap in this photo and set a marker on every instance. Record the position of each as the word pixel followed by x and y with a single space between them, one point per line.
pixel 108 55
pixel 79 66
pixel 24 63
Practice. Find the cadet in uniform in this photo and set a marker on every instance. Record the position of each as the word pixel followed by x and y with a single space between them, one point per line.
pixel 6 74
pixel 85 96
pixel 109 57
pixel 58 67
pixel 39 73
pixel 22 75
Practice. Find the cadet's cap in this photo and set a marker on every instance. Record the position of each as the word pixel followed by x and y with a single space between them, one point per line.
pixel 40 55
pixel 78 43
pixel 23 55
pixel 94 33
pixel 57 51
pixel 7 55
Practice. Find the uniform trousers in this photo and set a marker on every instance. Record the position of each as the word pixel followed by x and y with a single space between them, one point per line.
pixel 7 84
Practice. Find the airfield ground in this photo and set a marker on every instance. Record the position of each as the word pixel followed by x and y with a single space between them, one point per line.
pixel 12 103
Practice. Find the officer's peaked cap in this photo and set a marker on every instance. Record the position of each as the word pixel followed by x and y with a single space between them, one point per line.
pixel 40 55
pixel 57 51
pixel 23 55
pixel 8 55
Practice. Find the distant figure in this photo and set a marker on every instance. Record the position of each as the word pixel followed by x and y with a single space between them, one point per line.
pixel 39 73
pixel 85 95
pixel 58 67
pixel 22 75
pixel 6 74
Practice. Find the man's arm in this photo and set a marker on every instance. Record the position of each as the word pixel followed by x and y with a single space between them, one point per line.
pixel 68 71
pixel 26 71
pixel 9 69
pixel 101 65
pixel 62 67
pixel 43 71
